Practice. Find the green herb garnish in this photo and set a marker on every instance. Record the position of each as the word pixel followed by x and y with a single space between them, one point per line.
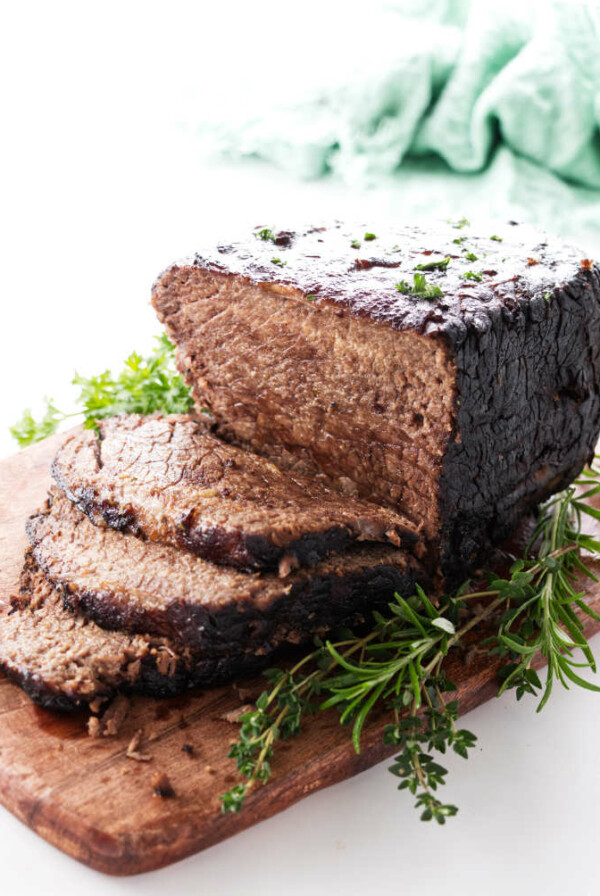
pixel 462 222
pixel 278 262
pixel 433 265
pixel 29 430
pixel 471 275
pixel 542 618
pixel 265 234
pixel 369 236
pixel 547 295
pixel 143 386
pixel 399 666
pixel 355 244
pixel 498 239
pixel 396 665
pixel 420 288
pixel 311 297
pixel 459 239
pixel 470 256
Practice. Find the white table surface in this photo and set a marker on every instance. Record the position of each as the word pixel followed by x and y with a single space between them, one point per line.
pixel 98 195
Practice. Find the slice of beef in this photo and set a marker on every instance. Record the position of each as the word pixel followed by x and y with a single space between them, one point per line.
pixel 166 479
pixel 64 661
pixel 128 584
pixel 462 394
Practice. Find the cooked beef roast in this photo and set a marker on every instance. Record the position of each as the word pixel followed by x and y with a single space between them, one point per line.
pixel 122 582
pixel 63 661
pixel 426 393
pixel 453 377
pixel 166 479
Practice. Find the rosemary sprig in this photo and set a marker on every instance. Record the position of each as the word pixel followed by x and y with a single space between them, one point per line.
pixel 542 618
pixel 398 667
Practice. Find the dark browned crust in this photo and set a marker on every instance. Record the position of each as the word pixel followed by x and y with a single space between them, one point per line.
pixel 186 668
pixel 246 552
pixel 525 340
pixel 321 262
pixel 528 414
pixel 151 684
pixel 96 492
pixel 313 606
pixel 262 614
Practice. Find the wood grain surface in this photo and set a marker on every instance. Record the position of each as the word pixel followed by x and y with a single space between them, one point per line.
pixel 85 797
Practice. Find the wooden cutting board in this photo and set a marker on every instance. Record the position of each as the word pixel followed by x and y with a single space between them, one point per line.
pixel 85 797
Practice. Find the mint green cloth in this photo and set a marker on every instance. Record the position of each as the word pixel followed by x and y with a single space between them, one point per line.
pixel 508 94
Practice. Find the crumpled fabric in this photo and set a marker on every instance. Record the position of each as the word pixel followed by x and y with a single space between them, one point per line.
pixel 509 94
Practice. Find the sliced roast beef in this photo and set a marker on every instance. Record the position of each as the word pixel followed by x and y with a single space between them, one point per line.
pixel 123 582
pixel 64 661
pixel 166 479
pixel 451 376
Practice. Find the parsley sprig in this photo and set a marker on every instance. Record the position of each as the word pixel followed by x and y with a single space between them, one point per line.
pixel 398 668
pixel 265 234
pixel 144 385
pixel 420 288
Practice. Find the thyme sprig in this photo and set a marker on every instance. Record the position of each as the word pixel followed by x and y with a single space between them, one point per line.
pixel 397 665
pixel 398 668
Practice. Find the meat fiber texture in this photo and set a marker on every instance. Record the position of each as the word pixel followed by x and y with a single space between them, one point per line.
pixel 168 480
pixel 63 661
pixel 229 617
pixel 462 407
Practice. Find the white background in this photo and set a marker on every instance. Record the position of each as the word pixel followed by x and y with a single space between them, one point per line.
pixel 100 191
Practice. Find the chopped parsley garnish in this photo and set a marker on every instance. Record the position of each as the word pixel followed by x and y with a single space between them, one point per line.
pixel 470 256
pixel 471 275
pixel 265 234
pixel 369 236
pixel 420 288
pixel 459 240
pixel 547 295
pixel 433 265
pixel 279 262
pixel 462 222
pixel 310 298
pixel 497 238
pixel 355 244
